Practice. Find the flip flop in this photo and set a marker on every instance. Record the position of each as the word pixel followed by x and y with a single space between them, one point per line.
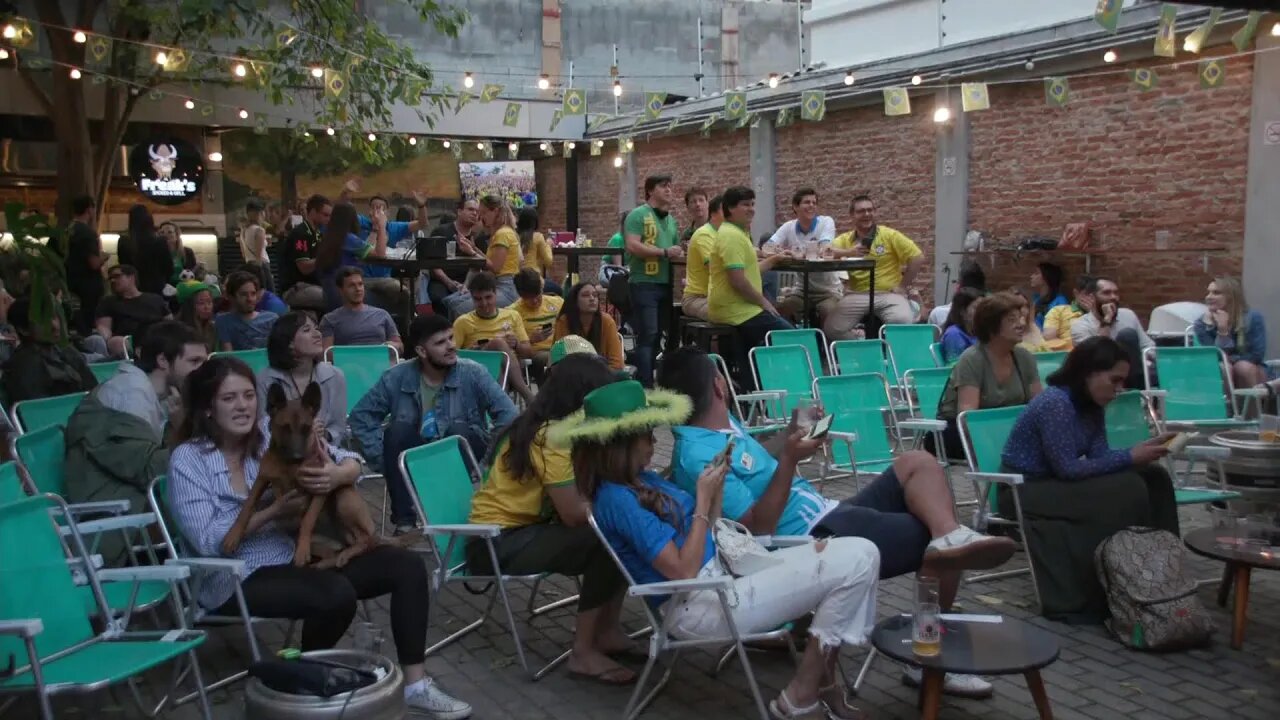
pixel 608 677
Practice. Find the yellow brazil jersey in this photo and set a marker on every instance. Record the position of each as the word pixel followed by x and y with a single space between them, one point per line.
pixel 1060 318
pixel 470 328
pixel 539 316
pixel 699 262
pixel 505 501
pixel 890 249
pixel 733 251
pixel 539 255
pixel 505 237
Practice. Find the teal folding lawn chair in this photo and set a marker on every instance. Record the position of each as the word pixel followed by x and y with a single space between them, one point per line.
pixel 256 359
pixel 910 347
pixel 1048 363
pixel 362 366
pixel 785 368
pixel 103 371
pixel 11 485
pixel 863 422
pixel 851 357
pixel 935 349
pixel 440 475
pixel 924 388
pixel 761 412
pixel 811 339
pixel 1195 389
pixel 30 415
pixel 493 361
pixel 45 631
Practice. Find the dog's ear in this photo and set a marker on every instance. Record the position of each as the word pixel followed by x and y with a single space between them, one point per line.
pixel 311 398
pixel 276 398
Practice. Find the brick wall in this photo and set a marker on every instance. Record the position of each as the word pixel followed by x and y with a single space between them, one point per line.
pixel 1132 163
pixel 552 208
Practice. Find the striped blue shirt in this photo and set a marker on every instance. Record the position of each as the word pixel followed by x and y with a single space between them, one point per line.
pixel 205 507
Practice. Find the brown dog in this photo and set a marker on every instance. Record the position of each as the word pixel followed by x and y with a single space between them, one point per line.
pixel 295 442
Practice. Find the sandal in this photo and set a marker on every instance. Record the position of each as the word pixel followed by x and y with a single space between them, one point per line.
pixel 781 708
pixel 613 677
pixel 836 699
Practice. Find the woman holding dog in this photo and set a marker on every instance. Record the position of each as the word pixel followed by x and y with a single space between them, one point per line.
pixel 211 472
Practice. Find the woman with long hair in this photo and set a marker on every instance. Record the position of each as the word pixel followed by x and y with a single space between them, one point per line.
pixel 503 256
pixel 181 256
pixel 529 493
pixel 215 464
pixel 535 249
pixel 143 248
pixel 957 332
pixel 341 246
pixel 662 533
pixel 1046 290
pixel 295 359
pixel 1078 490
pixel 195 309
pixel 580 315
pixel 1032 338
pixel 1230 325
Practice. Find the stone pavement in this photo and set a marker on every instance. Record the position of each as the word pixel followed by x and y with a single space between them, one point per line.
pixel 1095 678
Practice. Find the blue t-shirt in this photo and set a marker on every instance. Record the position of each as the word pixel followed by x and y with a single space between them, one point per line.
pixel 396 231
pixel 636 534
pixel 954 342
pixel 751 469
pixel 353 251
pixel 242 334
pixel 271 302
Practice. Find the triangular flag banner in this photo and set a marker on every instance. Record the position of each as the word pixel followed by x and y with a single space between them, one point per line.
pixel 334 83
pixel 344 139
pixel 706 124
pixel 597 146
pixel 575 101
pixel 1200 35
pixel 897 101
pixel 653 103
pixel 813 105
pixel 490 93
pixel 511 117
pixel 556 117
pixel 1056 91
pixel 99 52
pixel 973 96
pixel 784 118
pixel 625 145
pixel 24 35
pixel 101 80
pixel 1166 44
pixel 259 124
pixel 285 38
pixel 464 97
pixel 486 151
pixel 548 149
pixel 1244 35
pixel 513 151
pixel 755 120
pixel 567 150
pixel 671 126
pixel 735 105
pixel 456 148
pixel 206 109
pixel 595 121
pixel 155 95
pixel 176 60
pixel 1212 73
pixel 1108 14
pixel 744 120
pixel 1144 78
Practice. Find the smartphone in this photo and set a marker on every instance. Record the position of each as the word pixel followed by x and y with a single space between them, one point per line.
pixel 821 428
pixel 481 343
pixel 724 456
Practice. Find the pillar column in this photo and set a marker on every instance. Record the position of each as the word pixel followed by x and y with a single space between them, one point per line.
pixel 764 177
pixel 951 199
pixel 1262 190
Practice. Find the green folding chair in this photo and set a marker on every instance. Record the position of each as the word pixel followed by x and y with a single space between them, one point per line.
pixel 11 485
pixel 492 360
pixel 761 412
pixel 811 339
pixel 852 357
pixel 863 423
pixel 30 415
pixel 256 359
pixel 440 475
pixel 783 368
pixel 924 388
pixel 1191 392
pixel 104 371
pixel 362 366
pixel 910 347
pixel 935 349
pixel 44 626
pixel 1048 363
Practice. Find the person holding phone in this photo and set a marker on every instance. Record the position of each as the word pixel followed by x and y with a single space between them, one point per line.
pixel 490 327
pixel 538 311
pixel 907 512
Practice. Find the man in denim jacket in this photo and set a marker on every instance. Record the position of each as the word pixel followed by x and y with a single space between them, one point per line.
pixel 431 397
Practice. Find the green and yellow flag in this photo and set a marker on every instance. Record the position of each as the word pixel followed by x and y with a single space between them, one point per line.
pixel 176 60
pixel 1166 44
pixel 813 105
pixel 548 149
pixel 24 37
pixel 1244 35
pixel 566 150
pixel 155 95
pixel 705 130
pixel 335 84
pixel 973 96
pixel 653 104
pixel 511 117
pixel 99 52
pixel 259 124
pixel 625 145
pixel 597 146
pixel 672 125
pixel 575 101
pixel 206 109
pixel 455 147
pixel 464 97
pixel 1107 14
pixel 285 37
pixel 486 151
pixel 513 151
pixel 1212 73
pixel 556 117
pixel 784 117
pixel 735 105
pixel 897 101
pixel 1056 91
pixel 490 93
pixel 1144 78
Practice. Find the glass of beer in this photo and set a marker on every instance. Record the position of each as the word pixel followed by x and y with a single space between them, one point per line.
pixel 926 623
pixel 1269 428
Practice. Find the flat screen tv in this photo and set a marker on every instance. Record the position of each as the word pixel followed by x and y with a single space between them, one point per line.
pixel 512 180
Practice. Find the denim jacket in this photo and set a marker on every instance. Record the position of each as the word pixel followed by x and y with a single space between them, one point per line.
pixel 468 394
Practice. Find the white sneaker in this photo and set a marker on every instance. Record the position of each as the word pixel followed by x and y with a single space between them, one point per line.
pixel 426 698
pixel 967 686
pixel 966 549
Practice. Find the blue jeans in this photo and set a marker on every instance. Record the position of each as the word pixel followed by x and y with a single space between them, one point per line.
pixel 769 286
pixel 648 302
pixel 399 437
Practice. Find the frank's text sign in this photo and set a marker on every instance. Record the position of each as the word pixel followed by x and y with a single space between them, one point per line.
pixel 168 171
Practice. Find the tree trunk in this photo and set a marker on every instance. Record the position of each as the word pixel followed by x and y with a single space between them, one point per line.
pixel 289 185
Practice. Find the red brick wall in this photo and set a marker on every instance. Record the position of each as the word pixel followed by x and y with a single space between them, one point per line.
pixel 713 164
pixel 1129 162
pixel 552 209
pixel 598 195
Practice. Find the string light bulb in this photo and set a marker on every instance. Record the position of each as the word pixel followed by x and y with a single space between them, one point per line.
pixel 480 146
pixel 413 140
pixel 617 88
pixel 542 147
pixel 317 72
pixel 773 80
pixel 189 104
pixel 329 131
pixel 75 73
pixel 215 156
pixel 239 70
pixel 468 81
pixel 599 143
pixel 10 32
pixel 244 114
pixel 4 54
pixel 372 137
pixel 80 37
pixel 1275 29
pixel 162 58
pixel 942 114
pixel 916 79
pixel 848 78
pixel 1109 56
pixel 630 145
pixel 544 81
pixel 445 144
pixel 617 161
pixel 573 146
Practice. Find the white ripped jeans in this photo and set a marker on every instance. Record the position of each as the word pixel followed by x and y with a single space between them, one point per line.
pixel 837 584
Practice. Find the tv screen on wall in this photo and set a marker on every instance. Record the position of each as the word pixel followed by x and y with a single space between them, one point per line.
pixel 512 180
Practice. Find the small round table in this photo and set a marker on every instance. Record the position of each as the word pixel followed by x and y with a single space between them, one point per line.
pixel 1240 562
pixel 973 648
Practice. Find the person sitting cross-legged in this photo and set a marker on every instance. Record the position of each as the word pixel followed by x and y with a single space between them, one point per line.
pixel 907 511
pixel 490 327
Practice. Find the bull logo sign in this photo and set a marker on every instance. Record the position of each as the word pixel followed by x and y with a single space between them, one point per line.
pixel 167 170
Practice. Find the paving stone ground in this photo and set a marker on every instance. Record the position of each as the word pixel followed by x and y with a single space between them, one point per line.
pixel 1095 678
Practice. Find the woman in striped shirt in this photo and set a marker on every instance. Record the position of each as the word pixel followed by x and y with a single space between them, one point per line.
pixel 221 442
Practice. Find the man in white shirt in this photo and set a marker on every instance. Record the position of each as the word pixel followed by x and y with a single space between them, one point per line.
pixel 1108 319
pixel 808 235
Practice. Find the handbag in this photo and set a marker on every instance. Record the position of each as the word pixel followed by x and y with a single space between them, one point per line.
pixel 738 550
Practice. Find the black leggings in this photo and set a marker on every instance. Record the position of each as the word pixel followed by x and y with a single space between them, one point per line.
pixel 551 548
pixel 325 600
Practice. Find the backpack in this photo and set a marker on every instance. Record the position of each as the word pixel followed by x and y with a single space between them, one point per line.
pixel 1153 603
pixel 619 293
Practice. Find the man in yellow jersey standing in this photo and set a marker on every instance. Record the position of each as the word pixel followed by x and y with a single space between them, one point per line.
pixel 733 289
pixel 652 240
pixel 898 261
pixel 701 244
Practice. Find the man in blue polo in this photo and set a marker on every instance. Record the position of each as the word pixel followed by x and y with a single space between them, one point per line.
pixel 384 291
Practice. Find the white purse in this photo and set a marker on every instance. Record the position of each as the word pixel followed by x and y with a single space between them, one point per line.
pixel 739 552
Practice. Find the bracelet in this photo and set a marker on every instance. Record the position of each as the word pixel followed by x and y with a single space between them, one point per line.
pixel 703 518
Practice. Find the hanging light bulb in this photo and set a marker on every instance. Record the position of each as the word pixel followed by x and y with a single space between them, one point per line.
pixel 329 131
pixel 162 58
pixel 75 73
pixel 239 70
pixel 317 71
pixel 599 143
pixel 630 145
pixel 848 78
pixel 445 144
pixel 617 88
pixel 1109 56
pixel 773 80
pixel 80 37
pixel 10 32
pixel 617 161
pixel 1275 29
pixel 244 114
pixel 480 146
pixel 544 81
pixel 4 54
pixel 542 147
pixel 215 156
pixel 413 140
pixel 372 137
pixel 573 146
pixel 468 81
pixel 916 79
pixel 189 104
pixel 942 114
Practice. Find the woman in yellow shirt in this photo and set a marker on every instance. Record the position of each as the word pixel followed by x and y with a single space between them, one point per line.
pixel 535 249
pixel 503 256
pixel 529 492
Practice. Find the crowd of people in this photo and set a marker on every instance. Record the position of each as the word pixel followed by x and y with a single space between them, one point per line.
pixel 577 439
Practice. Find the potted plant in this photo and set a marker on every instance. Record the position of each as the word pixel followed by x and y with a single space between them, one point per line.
pixel 32 263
